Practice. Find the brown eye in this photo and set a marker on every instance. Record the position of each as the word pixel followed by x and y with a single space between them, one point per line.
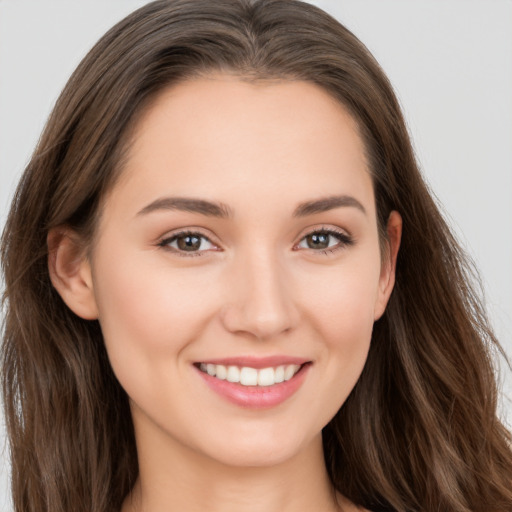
pixel 329 240
pixel 318 240
pixel 187 243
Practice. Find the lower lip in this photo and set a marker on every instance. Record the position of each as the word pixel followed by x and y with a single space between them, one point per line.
pixel 256 397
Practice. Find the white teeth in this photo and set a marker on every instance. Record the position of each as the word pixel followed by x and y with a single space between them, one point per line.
pixel 266 377
pixel 221 372
pixel 251 376
pixel 233 374
pixel 248 376
pixel 289 372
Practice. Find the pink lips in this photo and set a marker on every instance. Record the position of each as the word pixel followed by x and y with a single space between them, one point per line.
pixel 256 397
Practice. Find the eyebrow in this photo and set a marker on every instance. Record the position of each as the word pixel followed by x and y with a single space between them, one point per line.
pixel 327 203
pixel 187 204
pixel 220 210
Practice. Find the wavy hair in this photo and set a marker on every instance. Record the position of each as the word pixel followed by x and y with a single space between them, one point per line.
pixel 420 430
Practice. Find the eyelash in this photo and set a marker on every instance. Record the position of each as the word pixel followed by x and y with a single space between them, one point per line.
pixel 344 241
pixel 164 244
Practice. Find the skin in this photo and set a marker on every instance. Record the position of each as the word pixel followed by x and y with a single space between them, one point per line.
pixel 256 286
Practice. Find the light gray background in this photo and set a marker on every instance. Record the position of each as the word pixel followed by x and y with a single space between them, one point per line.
pixel 449 60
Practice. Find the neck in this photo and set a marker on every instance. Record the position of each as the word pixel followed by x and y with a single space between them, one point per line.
pixel 173 477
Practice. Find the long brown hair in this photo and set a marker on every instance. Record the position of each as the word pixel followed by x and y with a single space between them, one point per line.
pixel 419 432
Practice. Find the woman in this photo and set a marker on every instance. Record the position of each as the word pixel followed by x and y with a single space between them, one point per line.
pixel 252 301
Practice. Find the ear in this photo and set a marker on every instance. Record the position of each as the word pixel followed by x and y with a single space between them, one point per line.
pixel 388 266
pixel 70 272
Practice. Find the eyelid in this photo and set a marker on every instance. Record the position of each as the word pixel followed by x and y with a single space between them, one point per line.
pixel 345 239
pixel 165 240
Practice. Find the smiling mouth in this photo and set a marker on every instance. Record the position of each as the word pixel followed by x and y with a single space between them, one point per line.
pixel 247 376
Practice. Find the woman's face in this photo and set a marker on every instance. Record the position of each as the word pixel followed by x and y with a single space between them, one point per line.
pixel 243 228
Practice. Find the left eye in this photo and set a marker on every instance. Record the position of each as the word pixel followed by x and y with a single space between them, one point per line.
pixel 324 240
pixel 188 242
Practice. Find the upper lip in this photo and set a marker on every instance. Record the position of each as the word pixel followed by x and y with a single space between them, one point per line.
pixel 257 362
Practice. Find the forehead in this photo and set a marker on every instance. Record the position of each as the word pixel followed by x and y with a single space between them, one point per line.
pixel 218 135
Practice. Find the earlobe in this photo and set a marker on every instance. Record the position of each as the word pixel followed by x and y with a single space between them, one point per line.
pixel 70 272
pixel 388 267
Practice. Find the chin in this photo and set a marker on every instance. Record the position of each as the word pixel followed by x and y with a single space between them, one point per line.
pixel 254 458
pixel 258 451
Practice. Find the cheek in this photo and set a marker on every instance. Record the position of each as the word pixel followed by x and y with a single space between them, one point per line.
pixel 342 312
pixel 347 323
pixel 344 305
pixel 147 314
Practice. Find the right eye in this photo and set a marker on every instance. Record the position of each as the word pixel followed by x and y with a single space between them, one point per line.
pixel 189 242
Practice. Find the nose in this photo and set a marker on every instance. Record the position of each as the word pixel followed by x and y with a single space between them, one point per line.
pixel 260 301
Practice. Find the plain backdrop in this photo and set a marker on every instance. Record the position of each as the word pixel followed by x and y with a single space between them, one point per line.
pixel 450 62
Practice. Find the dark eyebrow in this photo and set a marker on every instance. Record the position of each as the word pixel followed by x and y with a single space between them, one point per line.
pixel 327 203
pixel 220 210
pixel 188 204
